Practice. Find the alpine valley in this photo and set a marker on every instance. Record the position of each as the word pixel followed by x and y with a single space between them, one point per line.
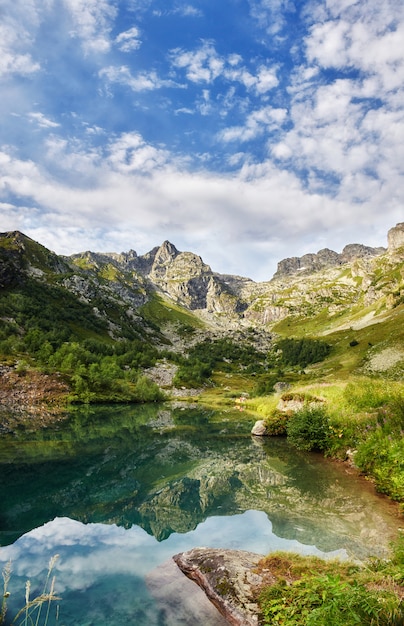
pixel 315 354
pixel 72 325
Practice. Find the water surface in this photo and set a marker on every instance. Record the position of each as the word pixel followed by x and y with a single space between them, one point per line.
pixel 116 492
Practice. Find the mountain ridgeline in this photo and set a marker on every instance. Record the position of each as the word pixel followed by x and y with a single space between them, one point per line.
pixel 148 292
pixel 99 317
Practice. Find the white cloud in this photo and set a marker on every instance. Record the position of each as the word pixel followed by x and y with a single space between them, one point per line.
pixel 187 10
pixel 129 40
pixel 339 127
pixel 347 132
pixel 42 121
pixel 205 65
pixel 202 66
pixel 257 123
pixel 367 36
pixel 271 14
pixel 143 81
pixel 18 19
pixel 149 197
pixel 266 80
pixel 92 23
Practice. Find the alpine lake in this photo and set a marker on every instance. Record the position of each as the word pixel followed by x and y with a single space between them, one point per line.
pixel 116 491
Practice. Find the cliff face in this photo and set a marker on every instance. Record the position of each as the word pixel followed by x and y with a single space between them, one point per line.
pixel 395 238
pixel 325 258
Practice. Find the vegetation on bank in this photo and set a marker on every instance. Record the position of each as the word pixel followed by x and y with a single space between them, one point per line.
pixel 312 591
pixel 47 328
pixel 363 419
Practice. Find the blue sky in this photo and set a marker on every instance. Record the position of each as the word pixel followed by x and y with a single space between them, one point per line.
pixel 243 130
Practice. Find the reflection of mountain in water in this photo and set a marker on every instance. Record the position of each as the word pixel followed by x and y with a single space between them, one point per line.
pixel 167 475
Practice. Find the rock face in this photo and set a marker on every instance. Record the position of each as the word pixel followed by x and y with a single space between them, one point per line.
pixel 229 580
pixel 310 263
pixel 120 287
pixel 395 237
pixel 179 600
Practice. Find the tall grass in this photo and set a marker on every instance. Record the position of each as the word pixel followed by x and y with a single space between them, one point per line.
pixel 36 610
pixel 315 592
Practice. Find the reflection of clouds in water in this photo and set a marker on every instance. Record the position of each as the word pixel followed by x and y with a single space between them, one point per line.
pixel 250 531
pixel 89 552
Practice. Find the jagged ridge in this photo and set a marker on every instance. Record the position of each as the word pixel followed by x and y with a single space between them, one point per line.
pixel 129 283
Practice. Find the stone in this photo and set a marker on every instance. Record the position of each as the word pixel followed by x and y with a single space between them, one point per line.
pixel 259 429
pixel 395 237
pixel 228 578
pixel 179 600
pixel 280 386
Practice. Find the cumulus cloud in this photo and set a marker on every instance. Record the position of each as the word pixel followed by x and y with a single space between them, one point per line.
pixel 129 40
pixel 16 40
pixel 257 123
pixel 271 14
pixel 267 152
pixel 142 81
pixel 150 197
pixel 203 65
pixel 92 20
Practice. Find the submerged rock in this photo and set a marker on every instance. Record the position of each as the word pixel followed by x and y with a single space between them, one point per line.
pixel 228 578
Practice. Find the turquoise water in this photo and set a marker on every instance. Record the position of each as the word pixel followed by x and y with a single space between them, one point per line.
pixel 116 492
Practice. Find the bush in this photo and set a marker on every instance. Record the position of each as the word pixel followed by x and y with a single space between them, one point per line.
pixel 302 351
pixel 382 457
pixel 276 424
pixel 308 428
pixel 148 391
pixel 316 600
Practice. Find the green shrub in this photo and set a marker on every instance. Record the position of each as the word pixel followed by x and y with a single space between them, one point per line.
pixel 276 424
pixel 302 351
pixel 308 428
pixel 148 391
pixel 381 456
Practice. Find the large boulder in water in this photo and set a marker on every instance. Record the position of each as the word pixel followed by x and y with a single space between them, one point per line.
pixel 259 429
pixel 229 579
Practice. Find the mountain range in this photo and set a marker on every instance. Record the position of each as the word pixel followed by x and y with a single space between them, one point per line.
pixel 86 326
pixel 165 286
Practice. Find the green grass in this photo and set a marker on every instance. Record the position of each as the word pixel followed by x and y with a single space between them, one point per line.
pixel 314 592
pixel 160 312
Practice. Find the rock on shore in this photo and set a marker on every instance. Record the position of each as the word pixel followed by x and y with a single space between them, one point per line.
pixel 228 578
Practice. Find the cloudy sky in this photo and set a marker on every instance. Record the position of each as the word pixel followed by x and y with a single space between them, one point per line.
pixel 243 130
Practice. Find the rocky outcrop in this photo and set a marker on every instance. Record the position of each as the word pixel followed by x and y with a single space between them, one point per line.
pixel 120 285
pixel 259 429
pixel 395 237
pixel 311 262
pixel 228 578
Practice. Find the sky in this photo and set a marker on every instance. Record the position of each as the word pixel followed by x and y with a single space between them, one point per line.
pixel 245 131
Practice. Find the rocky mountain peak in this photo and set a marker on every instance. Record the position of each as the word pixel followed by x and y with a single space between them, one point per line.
pixel 165 254
pixel 395 237
pixel 314 262
pixel 357 251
